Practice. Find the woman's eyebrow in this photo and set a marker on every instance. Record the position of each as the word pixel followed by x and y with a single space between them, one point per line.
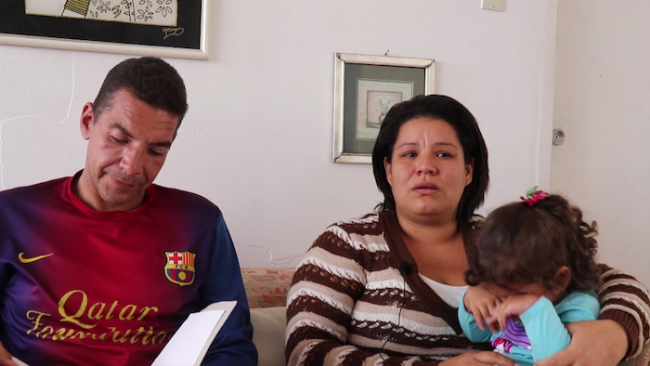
pixel 446 144
pixel 437 144
pixel 406 144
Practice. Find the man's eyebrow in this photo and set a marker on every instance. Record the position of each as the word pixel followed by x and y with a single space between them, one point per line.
pixel 124 130
pixel 165 144
pixel 162 144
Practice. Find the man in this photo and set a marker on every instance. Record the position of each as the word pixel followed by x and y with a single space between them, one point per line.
pixel 103 267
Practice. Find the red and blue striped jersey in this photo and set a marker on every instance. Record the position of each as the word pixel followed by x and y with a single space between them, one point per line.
pixel 83 287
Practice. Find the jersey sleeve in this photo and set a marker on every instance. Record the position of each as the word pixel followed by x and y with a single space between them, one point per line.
pixel 233 344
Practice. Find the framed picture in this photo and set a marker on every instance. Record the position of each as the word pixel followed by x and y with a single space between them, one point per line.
pixel 365 88
pixel 164 28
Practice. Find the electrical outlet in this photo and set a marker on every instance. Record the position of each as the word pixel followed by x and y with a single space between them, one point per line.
pixel 499 5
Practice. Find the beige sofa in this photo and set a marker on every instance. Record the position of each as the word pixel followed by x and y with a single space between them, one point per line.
pixel 266 290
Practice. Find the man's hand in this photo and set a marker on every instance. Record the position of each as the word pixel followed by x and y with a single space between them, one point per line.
pixel 479 359
pixel 480 303
pixel 596 342
pixel 513 306
pixel 5 357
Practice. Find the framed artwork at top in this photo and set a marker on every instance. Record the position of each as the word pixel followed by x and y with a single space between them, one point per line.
pixel 164 28
pixel 365 88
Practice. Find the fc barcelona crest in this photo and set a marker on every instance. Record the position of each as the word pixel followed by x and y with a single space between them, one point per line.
pixel 179 268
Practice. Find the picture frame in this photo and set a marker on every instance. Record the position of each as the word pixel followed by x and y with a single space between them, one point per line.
pixel 365 87
pixel 162 28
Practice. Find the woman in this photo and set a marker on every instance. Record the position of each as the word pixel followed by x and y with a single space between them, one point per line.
pixel 386 286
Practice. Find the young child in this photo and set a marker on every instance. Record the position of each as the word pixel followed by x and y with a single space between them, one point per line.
pixel 531 273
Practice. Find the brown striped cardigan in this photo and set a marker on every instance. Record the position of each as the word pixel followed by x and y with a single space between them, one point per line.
pixel 353 302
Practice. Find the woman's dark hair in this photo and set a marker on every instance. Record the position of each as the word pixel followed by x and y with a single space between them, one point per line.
pixel 151 80
pixel 522 244
pixel 470 137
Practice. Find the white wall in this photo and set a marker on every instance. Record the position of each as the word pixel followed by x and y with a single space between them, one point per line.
pixel 602 101
pixel 257 140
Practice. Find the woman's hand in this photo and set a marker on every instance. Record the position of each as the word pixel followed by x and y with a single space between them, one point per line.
pixel 512 306
pixel 479 359
pixel 481 303
pixel 596 342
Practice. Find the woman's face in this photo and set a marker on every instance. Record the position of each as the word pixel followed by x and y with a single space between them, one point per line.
pixel 427 173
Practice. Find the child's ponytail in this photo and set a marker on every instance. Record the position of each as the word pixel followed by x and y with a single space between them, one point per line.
pixel 580 243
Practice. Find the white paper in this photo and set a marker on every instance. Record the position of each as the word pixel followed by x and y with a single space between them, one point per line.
pixel 190 343
pixel 19 362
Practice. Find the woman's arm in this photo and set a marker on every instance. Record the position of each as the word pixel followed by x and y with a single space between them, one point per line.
pixel 627 302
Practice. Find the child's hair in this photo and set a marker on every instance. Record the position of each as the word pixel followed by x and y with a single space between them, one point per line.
pixel 523 244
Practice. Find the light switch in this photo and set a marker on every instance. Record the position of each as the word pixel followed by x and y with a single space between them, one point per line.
pixel 499 5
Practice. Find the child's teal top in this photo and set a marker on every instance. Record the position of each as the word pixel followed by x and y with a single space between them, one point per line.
pixel 544 326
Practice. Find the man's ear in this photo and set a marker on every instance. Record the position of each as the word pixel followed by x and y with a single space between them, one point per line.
pixel 87 120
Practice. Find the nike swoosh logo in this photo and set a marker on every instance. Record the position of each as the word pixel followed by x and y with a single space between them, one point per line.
pixel 22 259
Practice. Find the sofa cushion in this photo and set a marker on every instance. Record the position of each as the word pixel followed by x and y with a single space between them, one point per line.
pixel 267 287
pixel 269 325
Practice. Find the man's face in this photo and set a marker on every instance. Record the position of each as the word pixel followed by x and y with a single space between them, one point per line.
pixel 127 146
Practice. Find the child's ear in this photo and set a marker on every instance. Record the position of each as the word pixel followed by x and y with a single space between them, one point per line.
pixel 563 276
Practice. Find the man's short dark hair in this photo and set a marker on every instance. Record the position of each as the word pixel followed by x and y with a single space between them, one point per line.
pixel 151 80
